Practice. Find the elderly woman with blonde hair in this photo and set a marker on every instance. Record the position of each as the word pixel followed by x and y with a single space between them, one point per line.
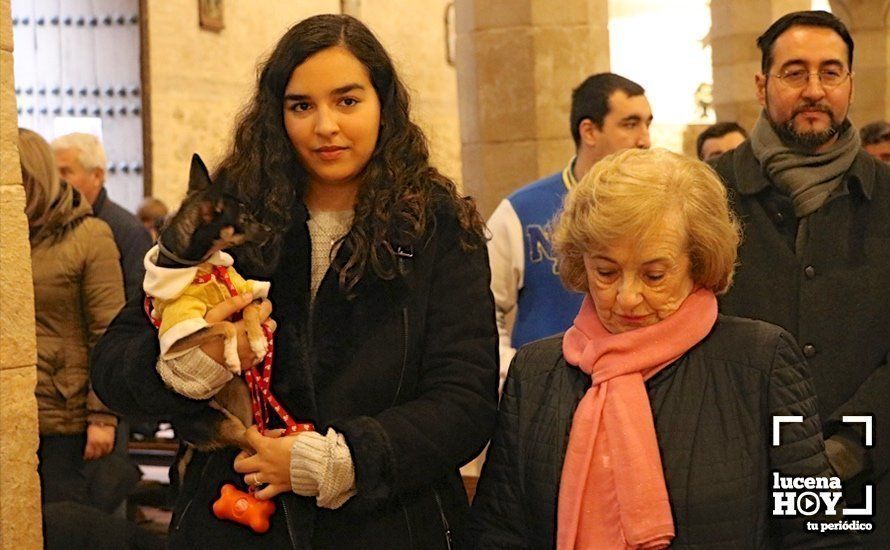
pixel 648 423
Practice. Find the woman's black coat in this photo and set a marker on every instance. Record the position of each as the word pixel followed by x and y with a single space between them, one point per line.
pixel 713 413
pixel 406 371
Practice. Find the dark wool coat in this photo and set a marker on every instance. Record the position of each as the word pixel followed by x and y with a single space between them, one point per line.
pixel 834 298
pixel 713 413
pixel 131 238
pixel 406 371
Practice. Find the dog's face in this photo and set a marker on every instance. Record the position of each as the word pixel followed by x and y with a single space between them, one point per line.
pixel 210 218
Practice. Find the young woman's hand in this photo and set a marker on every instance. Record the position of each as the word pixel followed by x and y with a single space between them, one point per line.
pixel 270 463
pixel 225 310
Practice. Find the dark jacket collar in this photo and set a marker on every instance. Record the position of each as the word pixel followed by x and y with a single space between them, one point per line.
pixel 101 199
pixel 751 179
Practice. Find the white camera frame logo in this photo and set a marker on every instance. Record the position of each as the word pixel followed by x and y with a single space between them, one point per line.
pixel 810 499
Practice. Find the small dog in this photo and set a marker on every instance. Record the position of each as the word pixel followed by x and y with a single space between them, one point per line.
pixel 189 275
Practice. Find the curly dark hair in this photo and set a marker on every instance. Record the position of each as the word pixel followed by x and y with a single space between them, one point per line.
pixel 399 191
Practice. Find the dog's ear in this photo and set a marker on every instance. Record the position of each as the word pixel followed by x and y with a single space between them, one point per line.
pixel 199 177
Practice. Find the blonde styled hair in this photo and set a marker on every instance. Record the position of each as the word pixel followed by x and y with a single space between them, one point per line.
pixel 629 193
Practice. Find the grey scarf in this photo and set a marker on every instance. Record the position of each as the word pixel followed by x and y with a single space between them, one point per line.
pixel 807 177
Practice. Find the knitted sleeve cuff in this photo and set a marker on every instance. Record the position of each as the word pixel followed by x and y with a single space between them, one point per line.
pixel 195 374
pixel 321 466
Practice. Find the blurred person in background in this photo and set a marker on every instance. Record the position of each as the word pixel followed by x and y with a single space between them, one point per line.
pixel 152 213
pixel 876 140
pixel 718 139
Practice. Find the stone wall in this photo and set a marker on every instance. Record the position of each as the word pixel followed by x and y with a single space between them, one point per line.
pixel 869 23
pixel 518 62
pixel 420 58
pixel 20 525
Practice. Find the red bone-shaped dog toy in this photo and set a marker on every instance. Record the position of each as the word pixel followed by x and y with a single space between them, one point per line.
pixel 243 508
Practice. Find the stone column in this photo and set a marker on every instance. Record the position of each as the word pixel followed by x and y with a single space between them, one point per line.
pixel 869 23
pixel 735 27
pixel 20 524
pixel 517 62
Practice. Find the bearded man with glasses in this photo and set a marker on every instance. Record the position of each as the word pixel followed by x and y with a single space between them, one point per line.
pixel 816 252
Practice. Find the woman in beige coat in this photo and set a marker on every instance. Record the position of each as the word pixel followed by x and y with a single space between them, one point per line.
pixel 78 289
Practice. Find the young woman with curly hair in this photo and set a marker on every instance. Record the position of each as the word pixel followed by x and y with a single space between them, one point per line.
pixel 385 335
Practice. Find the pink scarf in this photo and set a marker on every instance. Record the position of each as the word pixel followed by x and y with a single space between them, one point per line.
pixel 612 492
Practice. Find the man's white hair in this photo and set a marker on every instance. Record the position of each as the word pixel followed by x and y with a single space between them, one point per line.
pixel 90 152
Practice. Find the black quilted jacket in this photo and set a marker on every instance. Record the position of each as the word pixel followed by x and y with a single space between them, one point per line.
pixel 712 411
pixel 832 296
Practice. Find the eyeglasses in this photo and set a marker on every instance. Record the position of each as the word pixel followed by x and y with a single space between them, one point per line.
pixel 798 78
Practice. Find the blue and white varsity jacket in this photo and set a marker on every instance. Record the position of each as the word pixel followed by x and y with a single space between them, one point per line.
pixel 524 274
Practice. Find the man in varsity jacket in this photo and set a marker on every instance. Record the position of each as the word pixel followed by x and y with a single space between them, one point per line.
pixel 609 113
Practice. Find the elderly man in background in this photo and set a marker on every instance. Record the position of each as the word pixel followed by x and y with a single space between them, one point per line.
pixel 81 161
pixel 815 207
pixel 609 113
pixel 876 140
pixel 718 139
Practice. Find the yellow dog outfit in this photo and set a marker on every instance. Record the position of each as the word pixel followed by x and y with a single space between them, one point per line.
pixel 180 302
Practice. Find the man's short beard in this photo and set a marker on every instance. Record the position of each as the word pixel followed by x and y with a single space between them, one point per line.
pixel 805 140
